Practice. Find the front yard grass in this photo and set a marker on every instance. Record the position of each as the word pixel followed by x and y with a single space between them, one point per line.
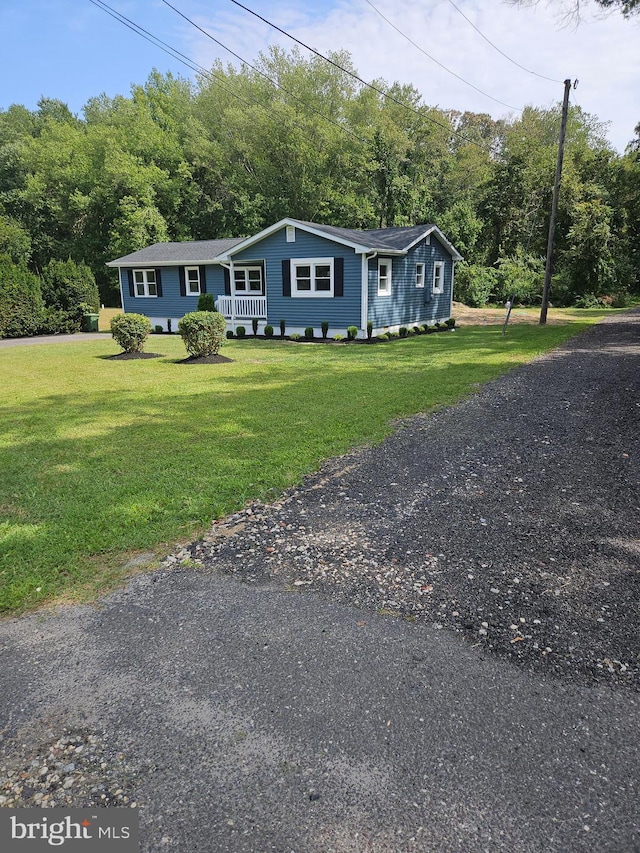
pixel 102 459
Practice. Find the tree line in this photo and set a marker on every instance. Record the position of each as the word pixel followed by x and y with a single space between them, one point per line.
pixel 238 149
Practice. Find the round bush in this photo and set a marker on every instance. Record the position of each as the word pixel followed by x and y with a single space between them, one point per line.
pixel 203 332
pixel 268 331
pixel 130 331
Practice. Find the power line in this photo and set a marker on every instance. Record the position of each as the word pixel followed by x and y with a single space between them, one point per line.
pixel 266 76
pixel 194 66
pixel 384 94
pixel 501 52
pixel 433 59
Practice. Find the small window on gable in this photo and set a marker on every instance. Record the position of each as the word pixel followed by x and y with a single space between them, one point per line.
pixel 438 277
pixel 192 281
pixel 420 275
pixel 145 283
pixel 291 234
pixel 384 276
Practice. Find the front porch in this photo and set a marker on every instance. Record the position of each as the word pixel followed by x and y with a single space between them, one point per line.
pixel 242 307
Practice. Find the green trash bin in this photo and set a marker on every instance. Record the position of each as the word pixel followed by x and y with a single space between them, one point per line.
pixel 90 322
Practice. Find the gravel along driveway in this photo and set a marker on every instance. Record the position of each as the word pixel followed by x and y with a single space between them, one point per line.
pixel 512 519
pixel 429 647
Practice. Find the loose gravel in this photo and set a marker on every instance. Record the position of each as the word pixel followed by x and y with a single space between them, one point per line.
pixel 512 519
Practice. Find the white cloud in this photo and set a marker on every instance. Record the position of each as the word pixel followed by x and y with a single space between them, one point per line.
pixel 602 52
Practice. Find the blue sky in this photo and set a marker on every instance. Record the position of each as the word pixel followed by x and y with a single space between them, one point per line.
pixel 71 50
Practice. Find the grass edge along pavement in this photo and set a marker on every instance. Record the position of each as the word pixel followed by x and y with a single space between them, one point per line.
pixel 101 460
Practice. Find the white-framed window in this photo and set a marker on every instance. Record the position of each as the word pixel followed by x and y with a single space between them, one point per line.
pixel 144 283
pixel 248 279
pixel 312 277
pixel 420 275
pixel 385 266
pixel 291 234
pixel 438 277
pixel 192 281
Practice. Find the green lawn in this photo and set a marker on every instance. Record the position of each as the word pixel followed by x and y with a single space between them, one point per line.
pixel 100 459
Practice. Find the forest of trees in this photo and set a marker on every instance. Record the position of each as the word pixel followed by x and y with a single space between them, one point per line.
pixel 239 149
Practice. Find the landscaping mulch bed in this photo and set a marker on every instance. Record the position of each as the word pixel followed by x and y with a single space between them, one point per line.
pixel 205 359
pixel 132 356
pixel 511 519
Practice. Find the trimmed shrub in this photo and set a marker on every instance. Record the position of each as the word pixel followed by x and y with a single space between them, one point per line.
pixel 369 330
pixel 206 302
pixel 241 331
pixel 403 331
pixel 352 333
pixel 130 331
pixel 325 329
pixel 268 331
pixel 229 334
pixel 202 332
pixel 410 333
pixel 417 330
pixel 21 306
pixel 158 329
pixel 308 333
pixel 450 322
pixel 283 325
pixel 254 326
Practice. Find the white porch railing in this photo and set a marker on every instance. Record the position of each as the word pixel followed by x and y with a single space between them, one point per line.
pixel 242 306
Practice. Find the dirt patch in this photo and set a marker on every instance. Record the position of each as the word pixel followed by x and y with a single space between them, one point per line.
pixel 496 316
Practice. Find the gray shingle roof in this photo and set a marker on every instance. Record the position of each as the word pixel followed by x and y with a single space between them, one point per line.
pixel 392 239
pixel 194 252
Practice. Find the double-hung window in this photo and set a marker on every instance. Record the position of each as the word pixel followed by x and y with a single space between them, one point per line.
pixel 384 276
pixel 248 279
pixel 145 283
pixel 312 277
pixel 438 277
pixel 420 275
pixel 192 281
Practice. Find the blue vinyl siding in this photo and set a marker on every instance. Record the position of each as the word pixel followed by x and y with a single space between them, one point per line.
pixel 408 304
pixel 299 312
pixel 171 304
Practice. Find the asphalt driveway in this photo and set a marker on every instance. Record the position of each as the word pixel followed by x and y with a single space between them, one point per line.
pixel 429 646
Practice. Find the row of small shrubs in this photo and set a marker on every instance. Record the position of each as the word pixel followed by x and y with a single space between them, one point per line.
pixel 203 332
pixel 424 329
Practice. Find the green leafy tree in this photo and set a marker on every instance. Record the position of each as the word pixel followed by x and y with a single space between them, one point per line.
pixel 21 305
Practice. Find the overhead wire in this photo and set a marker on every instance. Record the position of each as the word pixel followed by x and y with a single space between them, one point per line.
pixel 355 76
pixel 194 66
pixel 437 61
pixel 501 52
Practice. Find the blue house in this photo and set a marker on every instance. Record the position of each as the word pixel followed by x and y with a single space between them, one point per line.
pixel 300 272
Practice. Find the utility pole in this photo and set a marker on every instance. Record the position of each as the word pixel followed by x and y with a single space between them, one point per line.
pixel 554 205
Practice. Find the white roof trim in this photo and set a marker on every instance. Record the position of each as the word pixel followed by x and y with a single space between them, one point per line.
pixel 152 264
pixel 302 226
pixel 455 254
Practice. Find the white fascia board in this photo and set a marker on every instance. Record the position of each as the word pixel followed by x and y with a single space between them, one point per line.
pixel 433 229
pixel 302 226
pixel 119 264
